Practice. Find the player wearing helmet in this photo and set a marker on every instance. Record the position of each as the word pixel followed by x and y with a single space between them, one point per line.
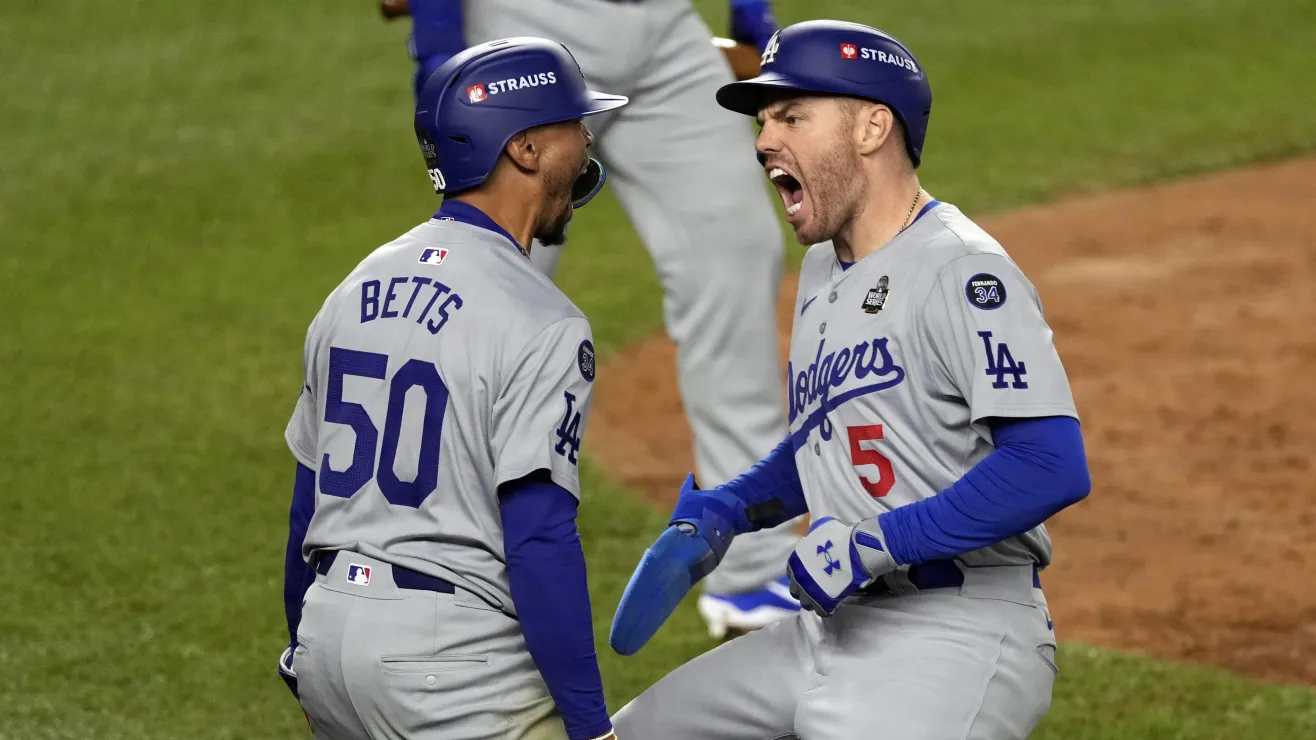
pixel 435 583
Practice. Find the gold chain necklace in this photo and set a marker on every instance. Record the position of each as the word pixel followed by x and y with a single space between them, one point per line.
pixel 909 215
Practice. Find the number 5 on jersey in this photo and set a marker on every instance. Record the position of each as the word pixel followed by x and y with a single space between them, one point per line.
pixel 861 455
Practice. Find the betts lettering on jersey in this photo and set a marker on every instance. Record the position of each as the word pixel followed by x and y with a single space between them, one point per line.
pixel 374 307
pixel 832 371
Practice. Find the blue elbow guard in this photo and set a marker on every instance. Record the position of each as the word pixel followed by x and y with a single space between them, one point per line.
pixel 666 573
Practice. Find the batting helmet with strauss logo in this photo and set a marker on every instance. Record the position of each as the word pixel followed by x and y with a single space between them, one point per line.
pixel 840 58
pixel 472 106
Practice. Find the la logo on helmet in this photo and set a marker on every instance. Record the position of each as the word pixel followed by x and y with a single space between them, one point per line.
pixel 770 51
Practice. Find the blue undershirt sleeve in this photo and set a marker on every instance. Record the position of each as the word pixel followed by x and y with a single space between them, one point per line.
pixel 436 27
pixel 297 574
pixel 546 571
pixel 768 494
pixel 1038 468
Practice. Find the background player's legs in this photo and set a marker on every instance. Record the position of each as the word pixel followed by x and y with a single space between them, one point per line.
pixel 931 667
pixel 685 171
pixel 378 662
pixel 746 689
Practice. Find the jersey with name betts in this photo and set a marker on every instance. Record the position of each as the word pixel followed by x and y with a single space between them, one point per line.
pixel 443 366
pixel 898 362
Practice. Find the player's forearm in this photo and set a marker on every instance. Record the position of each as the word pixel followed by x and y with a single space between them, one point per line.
pixel 768 494
pixel 297 575
pixel 436 28
pixel 1037 469
pixel 546 571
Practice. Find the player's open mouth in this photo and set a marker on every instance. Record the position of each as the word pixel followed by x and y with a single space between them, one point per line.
pixel 792 193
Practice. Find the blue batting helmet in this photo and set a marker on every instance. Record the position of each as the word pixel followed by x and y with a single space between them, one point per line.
pixel 840 58
pixel 473 104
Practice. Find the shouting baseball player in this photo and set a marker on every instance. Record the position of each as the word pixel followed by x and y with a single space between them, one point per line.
pixel 681 168
pixel 932 431
pixel 437 437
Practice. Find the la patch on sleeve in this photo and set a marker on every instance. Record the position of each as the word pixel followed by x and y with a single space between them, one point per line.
pixel 985 291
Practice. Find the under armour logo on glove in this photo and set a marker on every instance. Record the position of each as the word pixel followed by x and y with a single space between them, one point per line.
pixel 817 566
pixel 832 564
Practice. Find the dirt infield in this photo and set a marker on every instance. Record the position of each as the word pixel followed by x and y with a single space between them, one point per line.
pixel 1185 314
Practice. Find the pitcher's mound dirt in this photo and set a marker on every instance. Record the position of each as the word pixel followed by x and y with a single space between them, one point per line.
pixel 1185 314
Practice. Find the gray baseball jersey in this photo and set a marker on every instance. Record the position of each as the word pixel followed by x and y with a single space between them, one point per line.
pixel 895 365
pixel 897 361
pixel 442 367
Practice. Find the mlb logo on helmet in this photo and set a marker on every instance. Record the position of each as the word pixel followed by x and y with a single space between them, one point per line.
pixel 476 93
pixel 358 574
pixel 434 256
pixel 848 51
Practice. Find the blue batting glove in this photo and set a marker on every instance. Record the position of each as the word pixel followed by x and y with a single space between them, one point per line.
pixel 286 671
pixel 715 515
pixel 752 22
pixel 834 560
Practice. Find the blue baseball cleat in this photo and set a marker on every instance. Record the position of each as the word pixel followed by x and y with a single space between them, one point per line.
pixel 748 611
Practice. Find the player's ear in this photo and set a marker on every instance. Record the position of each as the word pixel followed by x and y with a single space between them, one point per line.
pixel 873 127
pixel 525 150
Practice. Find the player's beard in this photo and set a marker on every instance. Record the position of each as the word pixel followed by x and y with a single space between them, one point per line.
pixel 553 231
pixel 835 189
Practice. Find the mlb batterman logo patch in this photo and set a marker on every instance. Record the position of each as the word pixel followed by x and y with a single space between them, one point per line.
pixel 476 93
pixel 358 574
pixel 433 256
pixel 848 51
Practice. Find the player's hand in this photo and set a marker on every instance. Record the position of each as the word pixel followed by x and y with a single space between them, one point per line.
pixel 689 549
pixel 834 560
pixel 752 22
pixel 286 671
pixel 714 515
pixel 392 9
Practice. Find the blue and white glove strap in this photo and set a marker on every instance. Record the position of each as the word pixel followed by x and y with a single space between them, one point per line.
pixel 870 545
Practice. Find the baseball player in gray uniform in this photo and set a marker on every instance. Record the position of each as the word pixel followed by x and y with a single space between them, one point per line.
pixel 682 169
pixel 932 431
pixel 435 580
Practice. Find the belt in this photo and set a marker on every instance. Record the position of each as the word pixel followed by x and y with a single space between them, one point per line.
pixel 933 574
pixel 402 577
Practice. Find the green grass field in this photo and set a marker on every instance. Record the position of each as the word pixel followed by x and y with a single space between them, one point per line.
pixel 182 183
